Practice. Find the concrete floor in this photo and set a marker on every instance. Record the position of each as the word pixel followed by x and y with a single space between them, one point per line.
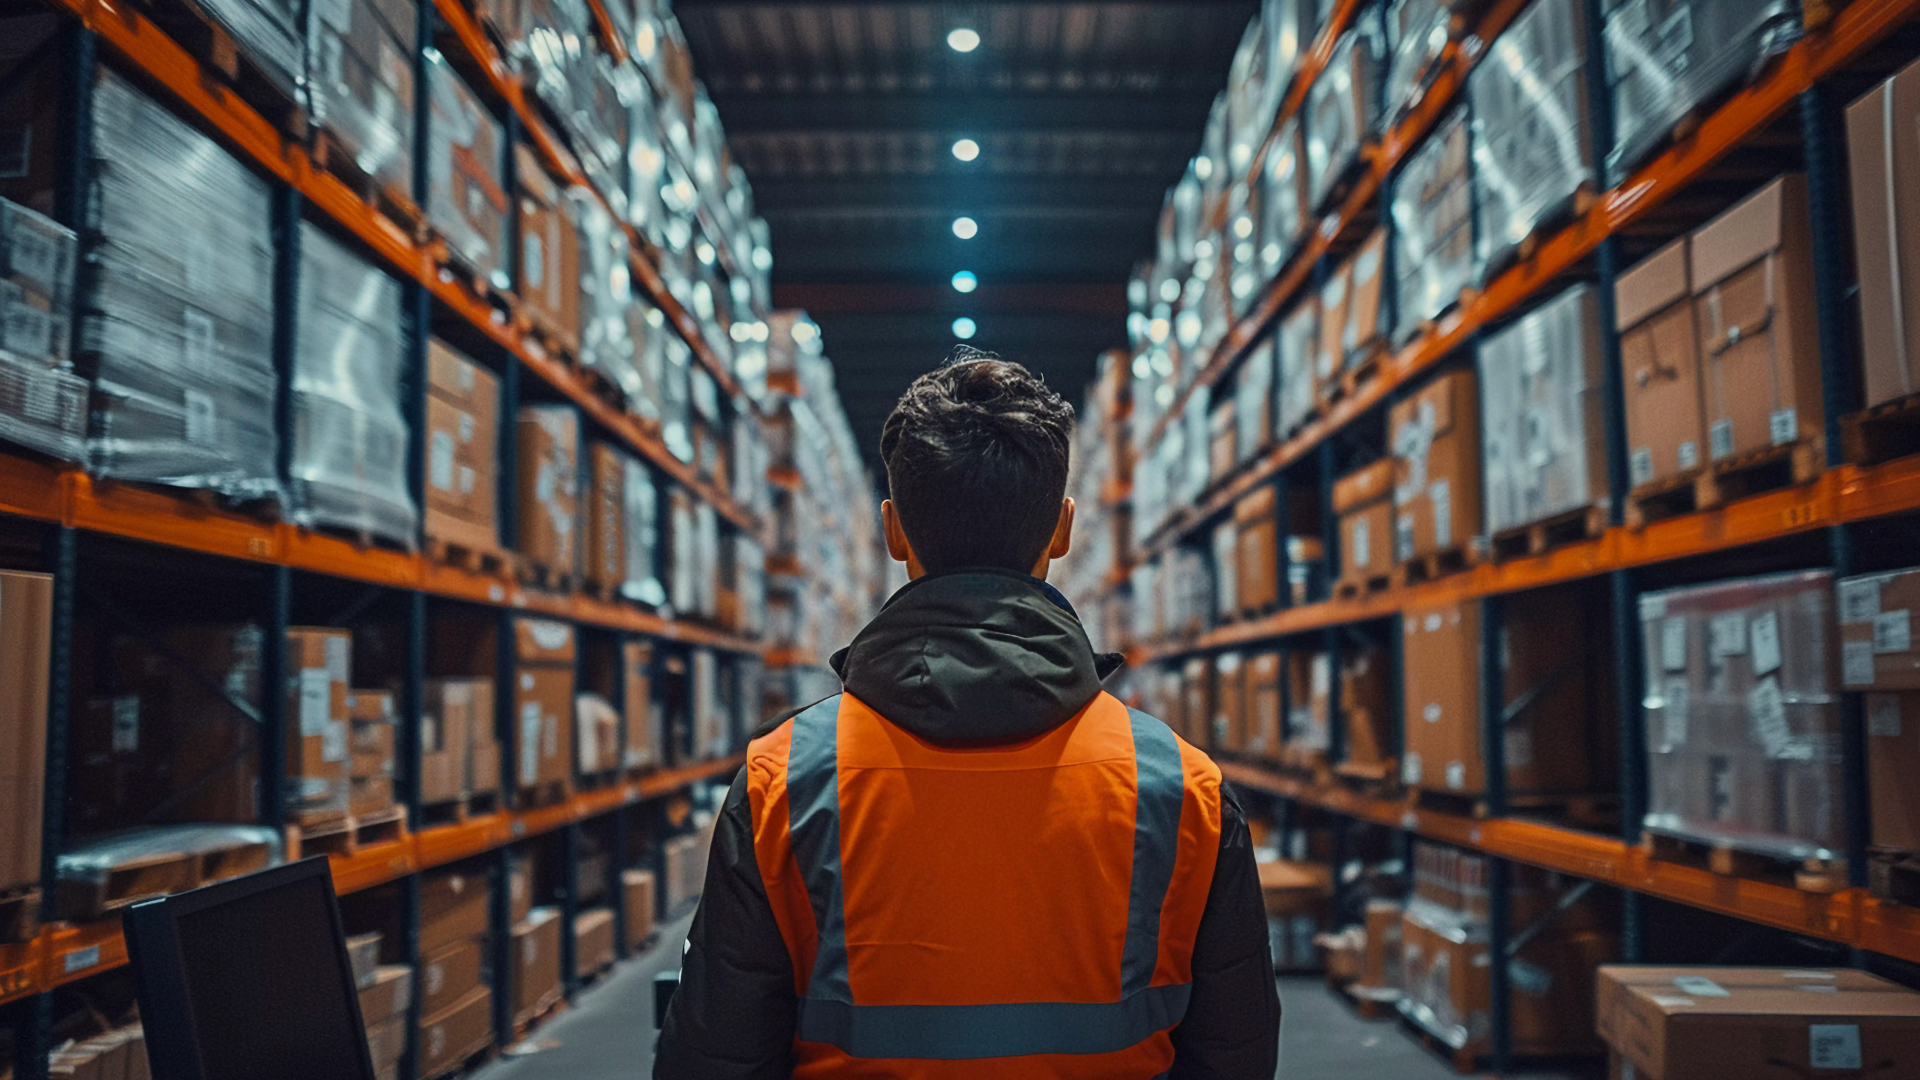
pixel 608 1034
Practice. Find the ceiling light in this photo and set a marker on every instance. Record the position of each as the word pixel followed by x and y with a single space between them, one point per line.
pixel 963 39
pixel 965 282
pixel 966 149
pixel 963 328
pixel 965 228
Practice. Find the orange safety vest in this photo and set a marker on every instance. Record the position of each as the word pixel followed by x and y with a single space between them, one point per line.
pixel 1018 910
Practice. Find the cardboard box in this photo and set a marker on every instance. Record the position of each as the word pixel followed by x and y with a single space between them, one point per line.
pixel 462 446
pixel 26 613
pixel 1753 308
pixel 519 888
pixel 1228 730
pixel 1877 647
pixel 596 734
pixel 1283 198
pixel 1295 888
pixel 1700 1023
pixel 543 724
pixel 1364 502
pixel 453 908
pixel 1543 428
pixel 536 963
pixel 388 995
pixel 1256 532
pixel 1434 255
pixel 549 250
pixel 449 974
pixel 386 1042
pixel 643 733
pixel 1342 109
pixel 1294 348
pixel 1660 361
pixel 1252 408
pixel 1350 316
pixel 1435 436
pixel 606 517
pixel 449 716
pixel 1380 959
pixel 1225 590
pixel 549 485
pixel 1329 353
pixel 1309 690
pixel 317 687
pixel 450 1037
pixel 638 897
pixel 1893 762
pixel 1367 713
pixel 465 200
pixel 1221 432
pixel 461 383
pixel 593 947
pixel 1885 201
pixel 1196 707
pixel 1263 725
pixel 370 745
pixel 168 733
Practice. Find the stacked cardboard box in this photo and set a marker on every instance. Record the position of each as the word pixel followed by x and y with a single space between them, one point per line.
pixel 536 963
pixel 638 902
pixel 1351 326
pixel 1265 723
pixel 684 859
pixel 605 294
pixel 1228 729
pixel 596 734
pixel 456 1018
pixel 1660 361
pixel 1417 33
pixel 43 404
pixel 26 612
pixel 1435 437
pixel 1283 198
pixel 1381 976
pixel 465 152
pixel 643 583
pixel 318 679
pixel 1743 722
pixel 643 745
pixel 1885 201
pixel 549 252
pixel 1295 347
pixel 1366 713
pixel 1257 551
pixel 360 88
pixel 463 451
pixel 1343 107
pixel 549 487
pixel 385 995
pixel 371 716
pixel 112 1055
pixel 1542 424
pixel 1364 502
pixel 605 533
pixel 459 753
pixel 1298 897
pixel 593 946
pixel 543 671
pixel 1878 656
pixel 1309 690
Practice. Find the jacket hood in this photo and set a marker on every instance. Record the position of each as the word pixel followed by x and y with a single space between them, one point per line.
pixel 978 655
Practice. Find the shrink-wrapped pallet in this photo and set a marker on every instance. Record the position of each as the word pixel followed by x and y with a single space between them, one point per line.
pixel 1283 198
pixel 360 91
pixel 43 405
pixel 1417 35
pixel 465 200
pixel 1543 439
pixel 1343 107
pixel 1434 255
pixel 606 294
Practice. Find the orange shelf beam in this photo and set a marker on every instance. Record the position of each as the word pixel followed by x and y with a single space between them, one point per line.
pixel 65 952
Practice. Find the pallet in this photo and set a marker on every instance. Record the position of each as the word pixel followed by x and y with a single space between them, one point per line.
pixel 1376 781
pixel 1463 1058
pixel 459 811
pixel 473 553
pixel 1888 430
pixel 1372 1002
pixel 363 539
pixel 19 916
pixel 551 793
pixel 1539 537
pixel 601 386
pixel 1894 876
pixel 550 339
pixel 550 1005
pixel 1573 208
pixel 455 268
pixel 481 1053
pixel 203 37
pixel 1437 564
pixel 1818 876
pixel 1752 473
pixel 1359 372
pixel 348 835
pixel 546 578
pixel 1585 807
pixel 331 155
pixel 1668 497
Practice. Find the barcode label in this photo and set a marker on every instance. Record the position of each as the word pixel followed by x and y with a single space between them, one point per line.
pixel 1640 464
pixel 1833 1046
pixel 1856 663
pixel 1727 635
pixel 1765 637
pixel 1859 599
pixel 1699 986
pixel 1767 710
pixel 1361 541
pixel 1674 716
pixel 1673 643
pixel 1892 632
pixel 1720 438
pixel 1783 426
pixel 201 422
pixel 1689 454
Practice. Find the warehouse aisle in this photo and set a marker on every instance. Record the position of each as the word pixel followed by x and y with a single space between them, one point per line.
pixel 1322 1039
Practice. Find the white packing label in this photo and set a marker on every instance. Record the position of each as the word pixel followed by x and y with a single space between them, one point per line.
pixel 316 702
pixel 333 741
pixel 1833 1046
pixel 1856 663
pixel 1640 465
pixel 1720 438
pixel 440 460
pixel 1783 426
pixel 1410 768
pixel 201 423
pixel 535 261
pixel 1674 717
pixel 1767 711
pixel 1652 606
pixel 1859 599
pixel 1689 454
pixel 1402 537
pixel 1673 643
pixel 529 742
pixel 1441 494
pixel 549 635
pixel 1669 1001
pixel 338 653
pixel 1822 976
pixel 197 341
pixel 126 724
pixel 1764 635
pixel 1456 775
pixel 1431 713
pixel 1892 632
pixel 1699 986
pixel 1883 715
pixel 1727 635
pixel 589 751
pixel 1360 542
pixel 80 959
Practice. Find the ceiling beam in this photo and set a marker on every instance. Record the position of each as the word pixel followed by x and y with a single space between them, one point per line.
pixel 1083 298
pixel 684 6
pixel 973 112
pixel 980 193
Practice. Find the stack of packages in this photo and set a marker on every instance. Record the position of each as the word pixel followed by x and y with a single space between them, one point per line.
pixel 1342 109
pixel 534 952
pixel 177 326
pixel 593 942
pixel 1543 438
pixel 348 469
pixel 1683 1023
pixel 456 1007
pixel 360 89
pixel 1363 501
pixel 639 898
pixel 712 736
pixel 596 735
pixel 605 519
pixel 385 992
pixel 1309 702
pixel 463 449
pixel 459 753
pixel 641 504
pixel 1432 215
pixel 1352 318
pixel 684 863
pixel 26 613
pixel 1743 715
pixel 543 672
pixel 1878 658
pixel 1298 896
pixel 121 1052
pixel 548 484
pixel 1435 438
pixel 605 295
pixel 549 271
pixel 43 405
pixel 1447 971
pixel 643 743
pixel 318 677
pixel 1366 715
pixel 371 746
pixel 465 153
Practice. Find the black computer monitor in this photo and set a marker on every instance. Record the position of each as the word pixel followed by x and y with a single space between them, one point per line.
pixel 249 979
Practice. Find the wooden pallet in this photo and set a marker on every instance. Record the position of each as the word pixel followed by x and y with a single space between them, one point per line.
pixel 203 37
pixel 482 1052
pixel 1888 430
pixel 550 1005
pixel 19 916
pixel 551 793
pixel 1379 781
pixel 364 539
pixel 1667 497
pixel 348 835
pixel 1463 1059
pixel 548 338
pixel 1584 807
pixel 546 578
pixel 1571 209
pixel 333 156
pixel 1539 537
pixel 1372 1002
pixel 1355 588
pixel 456 268
pixel 1437 564
pixel 601 386
pixel 1725 481
pixel 1820 876
pixel 1359 372
pixel 458 811
pixel 464 544
pixel 1894 876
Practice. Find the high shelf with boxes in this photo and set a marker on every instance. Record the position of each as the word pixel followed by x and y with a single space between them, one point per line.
pixel 380 353
pixel 1515 414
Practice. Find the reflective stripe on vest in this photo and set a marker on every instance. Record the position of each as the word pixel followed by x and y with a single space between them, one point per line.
pixel 828 1014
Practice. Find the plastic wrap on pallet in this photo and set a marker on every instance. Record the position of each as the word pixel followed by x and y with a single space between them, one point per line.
pixel 1294 348
pixel 1434 257
pixel 1291 27
pixel 1666 58
pixel 1744 731
pixel 1343 107
pixel 1283 197
pixel 349 463
pixel 177 324
pixel 43 408
pixel 648 330
pixel 92 861
pixel 1243 211
pixel 360 83
pixel 1417 33
pixel 465 201
pixel 1253 98
pixel 37 260
pixel 1532 136
pixel 646 166
pixel 642 501
pixel 1540 412
pixel 548 40
pixel 606 294
pixel 267 32
pixel 676 429
pixel 598 124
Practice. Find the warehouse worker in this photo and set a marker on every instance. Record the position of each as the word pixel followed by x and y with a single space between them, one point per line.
pixel 973 862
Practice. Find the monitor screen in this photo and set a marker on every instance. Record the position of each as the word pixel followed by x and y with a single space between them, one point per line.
pixel 265 982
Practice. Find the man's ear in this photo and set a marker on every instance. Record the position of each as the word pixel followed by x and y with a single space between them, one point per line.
pixel 897 546
pixel 1062 532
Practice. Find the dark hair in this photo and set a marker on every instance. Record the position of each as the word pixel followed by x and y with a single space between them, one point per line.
pixel 976 457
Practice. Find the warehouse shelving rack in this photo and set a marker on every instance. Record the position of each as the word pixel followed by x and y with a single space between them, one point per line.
pixel 1827 514
pixel 71 511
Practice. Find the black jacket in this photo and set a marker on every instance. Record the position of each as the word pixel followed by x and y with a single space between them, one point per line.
pixel 965 657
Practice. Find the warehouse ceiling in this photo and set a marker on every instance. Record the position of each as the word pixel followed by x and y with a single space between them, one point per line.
pixel 845 117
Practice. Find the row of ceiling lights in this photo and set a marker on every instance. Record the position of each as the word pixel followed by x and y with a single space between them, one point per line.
pixel 965 39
